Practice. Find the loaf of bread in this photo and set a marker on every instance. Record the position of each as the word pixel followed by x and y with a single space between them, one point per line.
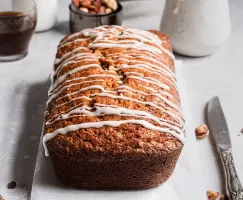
pixel 113 117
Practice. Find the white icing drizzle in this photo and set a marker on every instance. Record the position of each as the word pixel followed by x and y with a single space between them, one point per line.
pixel 58 60
pixel 138 66
pixel 73 99
pixel 141 44
pixel 63 77
pixel 76 127
pixel 81 78
pixel 166 87
pixel 81 57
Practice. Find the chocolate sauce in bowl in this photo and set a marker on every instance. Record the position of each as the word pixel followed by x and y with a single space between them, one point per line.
pixel 16 30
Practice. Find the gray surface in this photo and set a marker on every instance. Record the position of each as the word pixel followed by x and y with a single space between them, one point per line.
pixel 23 89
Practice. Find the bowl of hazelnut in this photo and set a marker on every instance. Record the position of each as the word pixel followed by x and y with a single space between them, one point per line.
pixel 93 13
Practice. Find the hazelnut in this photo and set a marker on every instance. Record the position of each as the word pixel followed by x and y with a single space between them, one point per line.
pixel 97 3
pixel 97 53
pixel 202 131
pixel 139 144
pixel 108 10
pixel 85 3
pixel 76 3
pixel 102 9
pixel 86 10
pixel 212 195
pixel 96 6
pixel 92 12
pixel 104 1
pixel 112 4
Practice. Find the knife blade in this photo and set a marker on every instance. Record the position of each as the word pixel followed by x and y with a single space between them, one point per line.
pixel 219 129
pixel 217 124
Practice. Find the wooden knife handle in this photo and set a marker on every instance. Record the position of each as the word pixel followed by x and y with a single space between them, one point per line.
pixel 233 186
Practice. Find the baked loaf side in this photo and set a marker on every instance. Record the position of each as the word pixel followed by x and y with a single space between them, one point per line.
pixel 113 117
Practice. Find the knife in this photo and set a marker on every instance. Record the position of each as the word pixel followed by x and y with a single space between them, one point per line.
pixel 219 129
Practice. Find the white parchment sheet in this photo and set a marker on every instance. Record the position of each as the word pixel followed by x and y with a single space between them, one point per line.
pixel 185 184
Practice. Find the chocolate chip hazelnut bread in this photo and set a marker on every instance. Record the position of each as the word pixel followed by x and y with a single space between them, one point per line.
pixel 113 117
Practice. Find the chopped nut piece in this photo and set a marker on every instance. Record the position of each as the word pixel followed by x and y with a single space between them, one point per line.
pixel 97 3
pixel 86 10
pixel 212 195
pixel 108 10
pixel 202 131
pixel 12 185
pixel 1 198
pixel 112 4
pixel 92 12
pixel 241 130
pixel 111 68
pixel 102 9
pixel 76 3
pixel 85 3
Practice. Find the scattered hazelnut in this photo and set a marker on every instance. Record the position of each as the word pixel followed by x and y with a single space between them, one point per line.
pixel 202 131
pixel 108 10
pixel 86 10
pixel 212 195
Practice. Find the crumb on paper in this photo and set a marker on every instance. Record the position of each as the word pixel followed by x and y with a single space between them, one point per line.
pixel 33 137
pixel 212 195
pixel 241 131
pixel 202 131
pixel 12 185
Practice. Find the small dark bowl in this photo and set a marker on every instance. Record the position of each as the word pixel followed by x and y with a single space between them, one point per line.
pixel 79 20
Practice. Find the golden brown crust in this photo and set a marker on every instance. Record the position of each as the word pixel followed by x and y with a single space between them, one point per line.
pixel 111 144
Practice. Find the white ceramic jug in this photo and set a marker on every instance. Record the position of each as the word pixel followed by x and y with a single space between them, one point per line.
pixel 46 12
pixel 197 27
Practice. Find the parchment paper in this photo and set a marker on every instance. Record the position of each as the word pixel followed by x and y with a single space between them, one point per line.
pixel 179 187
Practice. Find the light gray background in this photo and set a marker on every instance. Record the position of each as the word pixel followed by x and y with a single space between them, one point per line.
pixel 24 85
